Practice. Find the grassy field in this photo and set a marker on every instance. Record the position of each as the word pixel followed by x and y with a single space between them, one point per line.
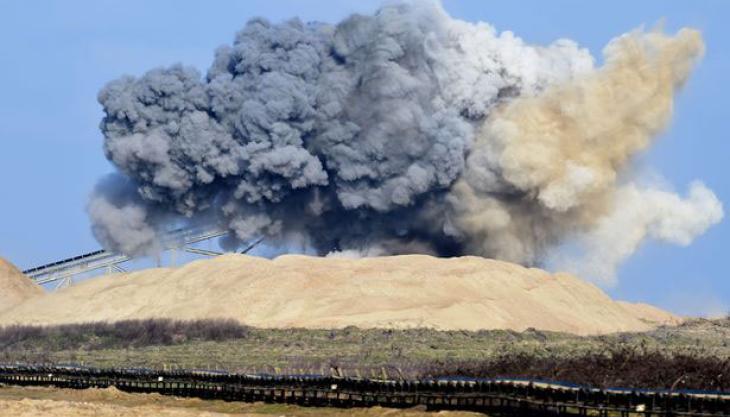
pixel 368 353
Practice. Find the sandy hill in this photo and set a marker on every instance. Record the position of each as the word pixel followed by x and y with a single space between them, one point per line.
pixel 298 291
pixel 14 286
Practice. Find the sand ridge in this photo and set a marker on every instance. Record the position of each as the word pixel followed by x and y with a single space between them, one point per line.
pixel 469 293
pixel 15 287
pixel 92 402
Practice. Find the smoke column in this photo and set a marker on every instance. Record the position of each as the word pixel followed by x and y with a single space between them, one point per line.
pixel 403 132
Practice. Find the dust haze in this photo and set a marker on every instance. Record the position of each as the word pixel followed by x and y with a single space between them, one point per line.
pixel 405 131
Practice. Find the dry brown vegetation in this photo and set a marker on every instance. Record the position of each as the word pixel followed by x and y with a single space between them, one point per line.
pixel 120 335
pixel 698 351
pixel 620 367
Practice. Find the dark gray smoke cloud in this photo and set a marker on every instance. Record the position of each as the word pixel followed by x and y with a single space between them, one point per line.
pixel 349 136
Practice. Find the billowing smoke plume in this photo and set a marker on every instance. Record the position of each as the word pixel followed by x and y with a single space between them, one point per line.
pixel 643 212
pixel 547 165
pixel 405 131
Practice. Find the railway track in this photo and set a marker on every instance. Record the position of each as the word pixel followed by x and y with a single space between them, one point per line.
pixel 493 396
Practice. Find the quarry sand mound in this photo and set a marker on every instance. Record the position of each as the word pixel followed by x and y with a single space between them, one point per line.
pixel 15 287
pixel 467 293
pixel 649 313
pixel 54 402
pixel 48 408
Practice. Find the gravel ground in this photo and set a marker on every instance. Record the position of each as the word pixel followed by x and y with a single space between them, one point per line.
pixel 110 402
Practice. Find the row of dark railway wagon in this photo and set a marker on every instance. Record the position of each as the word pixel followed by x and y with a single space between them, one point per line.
pixel 492 396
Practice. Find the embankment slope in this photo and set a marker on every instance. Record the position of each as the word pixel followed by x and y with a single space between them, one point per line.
pixel 467 293
pixel 15 287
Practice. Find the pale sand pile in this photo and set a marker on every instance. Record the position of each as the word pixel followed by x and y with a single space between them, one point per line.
pixel 48 408
pixel 649 313
pixel 468 293
pixel 51 402
pixel 14 286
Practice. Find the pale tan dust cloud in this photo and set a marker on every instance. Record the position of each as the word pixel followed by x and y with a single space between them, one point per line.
pixel 548 167
pixel 569 143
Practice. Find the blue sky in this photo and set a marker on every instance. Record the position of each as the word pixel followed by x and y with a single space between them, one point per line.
pixel 56 55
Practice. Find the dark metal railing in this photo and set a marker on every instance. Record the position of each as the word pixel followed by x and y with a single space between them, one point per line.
pixel 493 396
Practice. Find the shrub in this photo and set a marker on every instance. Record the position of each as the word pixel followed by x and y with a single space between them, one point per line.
pixel 120 334
pixel 619 367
